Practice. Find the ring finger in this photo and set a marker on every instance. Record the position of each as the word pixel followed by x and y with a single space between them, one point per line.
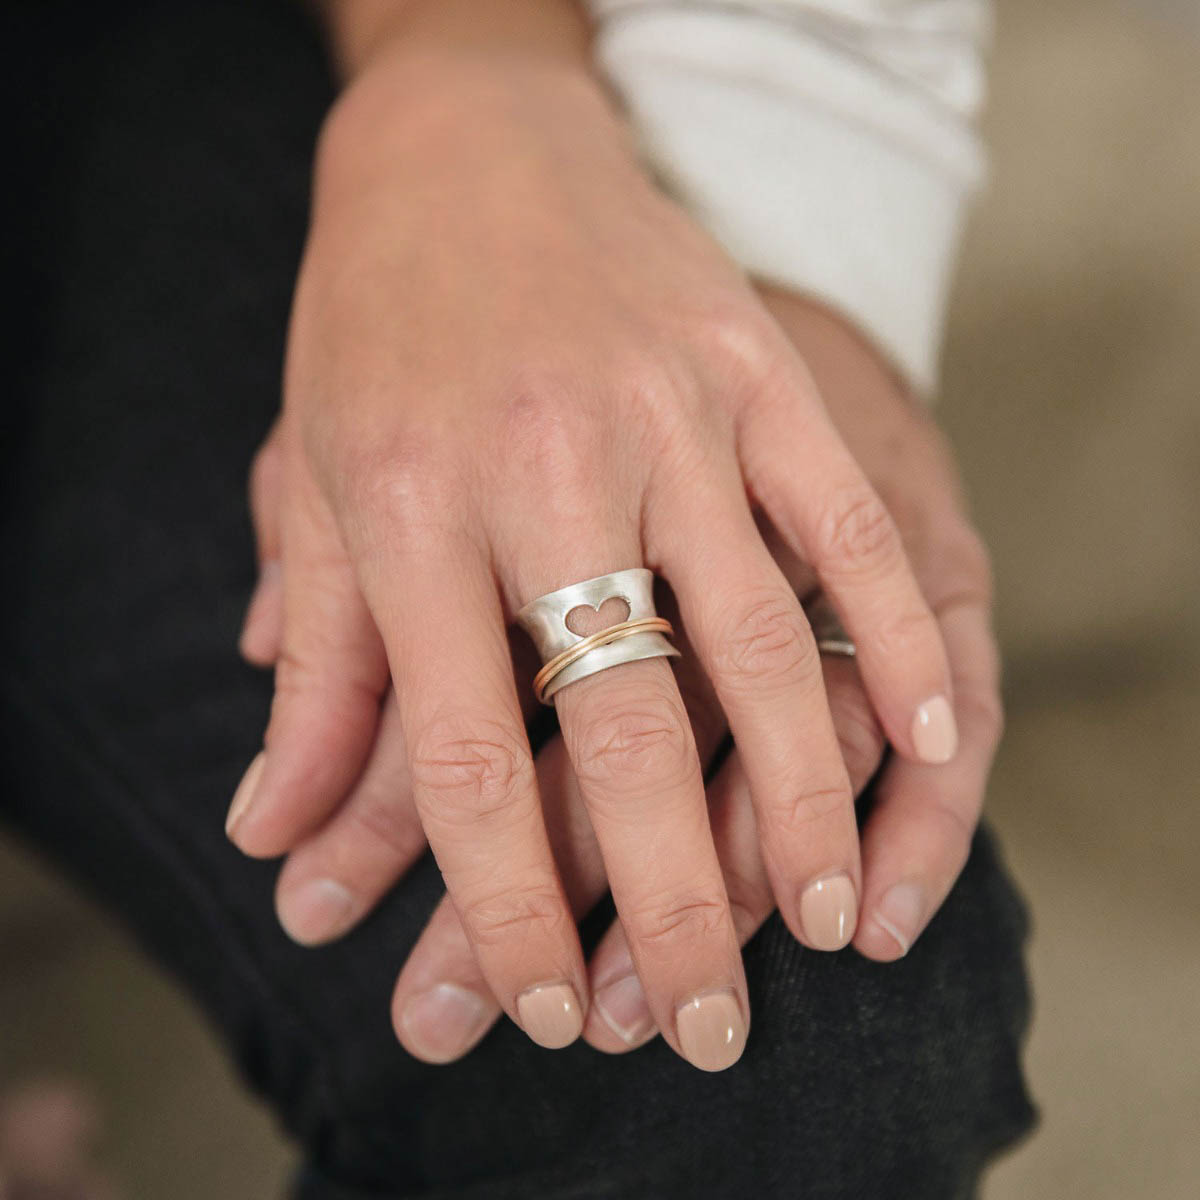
pixel 631 744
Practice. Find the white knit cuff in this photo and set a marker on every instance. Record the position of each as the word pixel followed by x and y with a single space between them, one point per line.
pixel 813 170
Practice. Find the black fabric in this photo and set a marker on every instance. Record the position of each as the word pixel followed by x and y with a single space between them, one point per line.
pixel 162 155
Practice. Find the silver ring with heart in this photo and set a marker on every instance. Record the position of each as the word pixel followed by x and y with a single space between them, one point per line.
pixel 591 626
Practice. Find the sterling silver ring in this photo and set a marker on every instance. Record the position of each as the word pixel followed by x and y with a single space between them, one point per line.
pixel 591 626
pixel 832 638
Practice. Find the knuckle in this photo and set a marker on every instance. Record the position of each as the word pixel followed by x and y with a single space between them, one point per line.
pixel 746 345
pixel 678 920
pixel 955 832
pixel 964 575
pixel 816 806
pixel 859 736
pixel 905 636
pixel 308 674
pixel 404 483
pixel 636 736
pixel 750 902
pixel 469 768
pixel 981 709
pixel 856 533
pixel 766 640
pixel 516 916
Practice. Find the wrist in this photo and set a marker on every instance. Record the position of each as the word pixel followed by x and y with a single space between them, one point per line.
pixel 422 103
pixel 362 30
pixel 858 382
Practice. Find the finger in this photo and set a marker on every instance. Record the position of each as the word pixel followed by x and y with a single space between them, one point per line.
pixel 329 683
pixel 262 629
pixel 627 732
pixel 336 876
pixel 814 492
pixel 620 1019
pixel 920 832
pixel 442 1005
pixel 757 648
pixel 470 763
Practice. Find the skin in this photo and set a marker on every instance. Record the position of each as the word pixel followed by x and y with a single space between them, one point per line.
pixel 486 401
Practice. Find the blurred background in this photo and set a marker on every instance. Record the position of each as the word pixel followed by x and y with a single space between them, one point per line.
pixel 1072 391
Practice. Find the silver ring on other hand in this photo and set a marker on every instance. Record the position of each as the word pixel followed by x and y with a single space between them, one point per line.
pixel 832 638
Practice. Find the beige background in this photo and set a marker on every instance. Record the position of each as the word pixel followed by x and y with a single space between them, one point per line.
pixel 1071 391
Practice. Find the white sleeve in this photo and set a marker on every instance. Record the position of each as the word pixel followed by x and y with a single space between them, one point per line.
pixel 827 144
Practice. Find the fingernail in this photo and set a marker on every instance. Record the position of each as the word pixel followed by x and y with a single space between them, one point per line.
pixel 712 1031
pixel 244 795
pixel 316 911
pixel 901 912
pixel 550 1014
pixel 622 1004
pixel 443 1023
pixel 828 912
pixel 934 731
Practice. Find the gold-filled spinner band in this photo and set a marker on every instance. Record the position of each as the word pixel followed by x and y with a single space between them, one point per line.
pixel 614 633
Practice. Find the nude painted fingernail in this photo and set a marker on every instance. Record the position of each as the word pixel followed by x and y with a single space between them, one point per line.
pixel 443 1023
pixel 934 731
pixel 901 912
pixel 244 795
pixel 316 911
pixel 550 1014
pixel 829 911
pixel 712 1030
pixel 622 1005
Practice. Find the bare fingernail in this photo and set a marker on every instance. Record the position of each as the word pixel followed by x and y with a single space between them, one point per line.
pixel 443 1023
pixel 829 911
pixel 901 912
pixel 934 731
pixel 622 1005
pixel 550 1013
pixel 316 911
pixel 244 796
pixel 712 1030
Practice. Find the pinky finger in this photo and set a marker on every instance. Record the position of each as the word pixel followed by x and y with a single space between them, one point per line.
pixel 919 835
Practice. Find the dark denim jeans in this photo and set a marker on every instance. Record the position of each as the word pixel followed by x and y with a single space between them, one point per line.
pixel 162 154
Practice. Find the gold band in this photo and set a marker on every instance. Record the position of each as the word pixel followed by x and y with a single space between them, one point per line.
pixel 614 633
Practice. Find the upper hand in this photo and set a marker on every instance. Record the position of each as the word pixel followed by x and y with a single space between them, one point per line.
pixel 514 365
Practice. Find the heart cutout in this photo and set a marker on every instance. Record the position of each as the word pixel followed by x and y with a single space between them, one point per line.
pixel 584 620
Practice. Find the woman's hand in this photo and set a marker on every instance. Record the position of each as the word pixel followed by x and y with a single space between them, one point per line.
pixel 514 365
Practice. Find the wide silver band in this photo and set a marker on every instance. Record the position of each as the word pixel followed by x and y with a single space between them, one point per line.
pixel 545 620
